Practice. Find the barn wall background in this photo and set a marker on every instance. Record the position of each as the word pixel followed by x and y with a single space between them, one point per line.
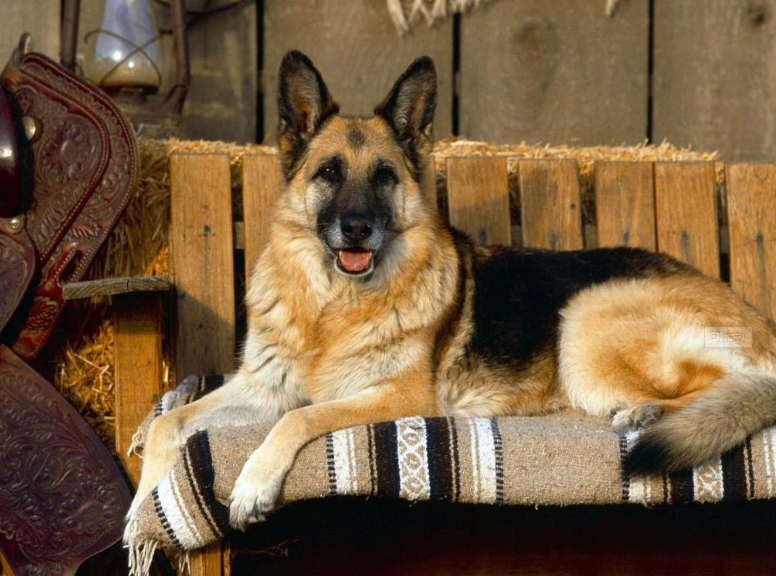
pixel 695 72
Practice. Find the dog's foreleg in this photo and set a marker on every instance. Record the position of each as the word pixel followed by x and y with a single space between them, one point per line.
pixel 239 401
pixel 259 483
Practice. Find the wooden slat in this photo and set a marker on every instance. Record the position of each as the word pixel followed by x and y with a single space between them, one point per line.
pixel 202 268
pixel 714 79
pixel 751 205
pixel 202 263
pixel 555 71
pixel 138 368
pixel 550 204
pixel 625 204
pixel 113 286
pixel 262 182
pixel 478 199
pixel 686 214
pixel 357 49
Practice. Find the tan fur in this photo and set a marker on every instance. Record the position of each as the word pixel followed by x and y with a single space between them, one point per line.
pixel 324 352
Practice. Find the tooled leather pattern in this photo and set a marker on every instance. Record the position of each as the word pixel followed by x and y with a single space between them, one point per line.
pixel 59 498
pixel 85 168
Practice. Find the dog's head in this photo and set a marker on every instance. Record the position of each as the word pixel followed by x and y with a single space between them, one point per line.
pixel 355 182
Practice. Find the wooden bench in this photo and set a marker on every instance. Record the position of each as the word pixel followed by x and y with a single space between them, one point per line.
pixel 679 208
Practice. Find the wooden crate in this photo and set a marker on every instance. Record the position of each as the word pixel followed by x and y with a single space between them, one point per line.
pixel 672 207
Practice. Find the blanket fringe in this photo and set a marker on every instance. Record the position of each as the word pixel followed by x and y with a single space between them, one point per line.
pixel 184 566
pixel 140 550
pixel 138 440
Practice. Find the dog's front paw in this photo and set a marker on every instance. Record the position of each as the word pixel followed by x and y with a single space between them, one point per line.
pixel 254 494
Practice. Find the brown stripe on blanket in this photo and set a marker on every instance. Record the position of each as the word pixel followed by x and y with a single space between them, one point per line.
pixel 372 458
pixel 455 490
pixel 749 469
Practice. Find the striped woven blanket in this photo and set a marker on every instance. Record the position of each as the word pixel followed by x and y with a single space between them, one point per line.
pixel 562 459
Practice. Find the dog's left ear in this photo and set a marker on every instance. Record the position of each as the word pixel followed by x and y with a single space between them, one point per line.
pixel 409 109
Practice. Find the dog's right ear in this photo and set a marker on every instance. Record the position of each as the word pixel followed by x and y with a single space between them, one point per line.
pixel 304 103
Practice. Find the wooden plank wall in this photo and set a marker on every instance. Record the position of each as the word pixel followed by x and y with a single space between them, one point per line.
pixel 557 72
pixel 40 18
pixel 695 72
pixel 224 83
pixel 357 50
pixel 715 76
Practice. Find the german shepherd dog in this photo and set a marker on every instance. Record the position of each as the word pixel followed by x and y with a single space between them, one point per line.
pixel 365 307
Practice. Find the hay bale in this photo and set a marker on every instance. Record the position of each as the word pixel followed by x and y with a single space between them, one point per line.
pixel 82 359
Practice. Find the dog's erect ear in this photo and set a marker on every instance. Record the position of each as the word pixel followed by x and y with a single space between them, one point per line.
pixel 409 109
pixel 304 103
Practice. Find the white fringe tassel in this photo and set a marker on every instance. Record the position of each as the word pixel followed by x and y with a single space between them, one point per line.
pixel 140 551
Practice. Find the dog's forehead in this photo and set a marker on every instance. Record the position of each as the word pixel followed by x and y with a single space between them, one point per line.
pixel 359 141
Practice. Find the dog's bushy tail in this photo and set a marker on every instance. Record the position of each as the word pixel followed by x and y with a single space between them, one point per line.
pixel 736 406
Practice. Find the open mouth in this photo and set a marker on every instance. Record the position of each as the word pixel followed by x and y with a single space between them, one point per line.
pixel 355 261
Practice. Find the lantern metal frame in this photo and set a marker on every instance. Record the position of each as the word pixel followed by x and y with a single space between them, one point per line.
pixel 151 112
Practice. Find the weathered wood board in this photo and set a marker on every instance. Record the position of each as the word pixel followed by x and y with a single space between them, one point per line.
pixel 262 182
pixel 550 204
pixel 478 199
pixel 625 204
pixel 38 17
pixel 751 206
pixel 557 72
pixel 224 82
pixel 357 50
pixel 138 368
pixel 202 264
pixel 714 81
pixel 686 213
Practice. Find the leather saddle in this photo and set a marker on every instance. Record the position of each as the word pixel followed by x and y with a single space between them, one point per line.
pixel 68 163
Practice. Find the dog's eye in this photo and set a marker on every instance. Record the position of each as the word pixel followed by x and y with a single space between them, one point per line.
pixel 329 173
pixel 384 176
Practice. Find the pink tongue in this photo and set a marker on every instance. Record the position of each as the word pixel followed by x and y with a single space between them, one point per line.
pixel 355 261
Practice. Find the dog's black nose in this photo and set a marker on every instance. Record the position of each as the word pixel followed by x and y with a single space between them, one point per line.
pixel 356 227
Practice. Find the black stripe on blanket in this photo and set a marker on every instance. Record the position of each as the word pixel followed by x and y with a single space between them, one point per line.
pixel 682 487
pixel 498 447
pixel 734 474
pixel 386 457
pixel 163 519
pixel 624 478
pixel 200 473
pixel 440 464
pixel 332 467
